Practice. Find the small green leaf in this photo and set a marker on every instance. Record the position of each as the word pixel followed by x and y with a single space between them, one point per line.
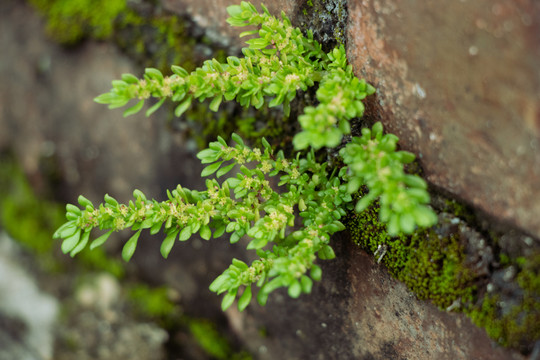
pixel 154 107
pixel 235 237
pixel 239 264
pixel 237 139
pixel 295 289
pixel 208 156
pixel 81 245
pixel 130 246
pixel 84 202
pixel 134 109
pixel 214 105
pixel 245 299
pixel 110 200
pixel 316 273
pixel 306 283
pixel 154 73
pixel 220 284
pixel 353 185
pixel 247 33
pixel 228 299
pixel 262 297
pixel 70 243
pixel 72 216
pixel 210 169
pixel 66 230
pixel 301 140
pixel 364 202
pixel 234 10
pixel 100 240
pixel 184 105
pixel 156 227
pixel 185 233
pixel 225 170
pixel 256 243
pixel 205 232
pixel 73 209
pixel 138 194
pixel 180 71
pixel 424 216
pixel 393 225
pixel 167 244
pixel 130 79
pixel 326 253
pixel 415 182
pixel 406 223
pixel 220 230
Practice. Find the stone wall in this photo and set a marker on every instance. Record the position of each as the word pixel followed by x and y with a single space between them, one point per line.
pixel 459 84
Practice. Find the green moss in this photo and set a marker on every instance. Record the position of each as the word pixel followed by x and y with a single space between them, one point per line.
pixel 327 19
pixel 460 210
pixel 430 265
pixel 434 268
pixel 70 21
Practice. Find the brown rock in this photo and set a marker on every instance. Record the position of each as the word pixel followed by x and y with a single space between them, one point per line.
pixel 459 83
pixel 358 311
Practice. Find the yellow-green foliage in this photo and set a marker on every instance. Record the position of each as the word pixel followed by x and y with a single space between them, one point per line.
pixel 68 21
pixel 430 265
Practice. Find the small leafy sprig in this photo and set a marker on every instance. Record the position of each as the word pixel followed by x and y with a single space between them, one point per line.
pixel 279 61
pixel 242 205
pixel 373 161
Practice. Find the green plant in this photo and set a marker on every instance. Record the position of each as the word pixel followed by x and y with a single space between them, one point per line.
pixel 277 63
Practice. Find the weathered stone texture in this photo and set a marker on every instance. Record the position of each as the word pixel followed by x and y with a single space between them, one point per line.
pixel 459 83
pixel 360 312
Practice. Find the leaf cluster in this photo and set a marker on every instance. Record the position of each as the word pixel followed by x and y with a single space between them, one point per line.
pixel 241 205
pixel 240 199
pixel 372 160
pixel 279 61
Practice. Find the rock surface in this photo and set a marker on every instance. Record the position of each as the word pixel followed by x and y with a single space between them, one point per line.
pixel 459 83
pixel 359 312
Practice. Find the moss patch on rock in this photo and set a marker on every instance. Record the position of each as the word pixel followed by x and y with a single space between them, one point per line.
pixel 439 264
pixel 431 264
